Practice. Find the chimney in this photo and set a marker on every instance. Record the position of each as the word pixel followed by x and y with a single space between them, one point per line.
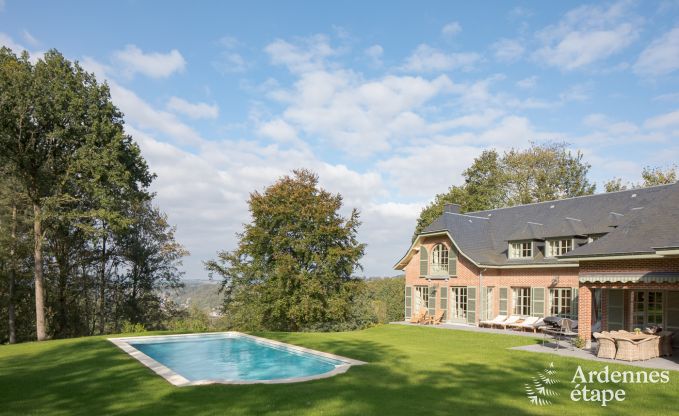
pixel 454 208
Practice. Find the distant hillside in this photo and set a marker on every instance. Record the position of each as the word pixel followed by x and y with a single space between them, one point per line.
pixel 200 294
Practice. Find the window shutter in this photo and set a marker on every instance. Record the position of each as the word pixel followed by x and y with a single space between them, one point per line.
pixel 615 310
pixel 538 302
pixel 673 313
pixel 443 305
pixel 408 302
pixel 432 300
pixel 574 303
pixel 471 304
pixel 424 261
pixel 503 301
pixel 452 262
pixel 484 302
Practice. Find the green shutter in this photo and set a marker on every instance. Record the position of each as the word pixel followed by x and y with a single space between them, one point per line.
pixel 443 304
pixel 574 303
pixel 537 297
pixel 452 262
pixel 471 305
pixel 424 261
pixel 409 302
pixel 672 313
pixel 484 302
pixel 615 309
pixel 431 304
pixel 503 301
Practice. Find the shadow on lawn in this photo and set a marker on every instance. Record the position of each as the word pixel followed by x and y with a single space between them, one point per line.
pixel 78 378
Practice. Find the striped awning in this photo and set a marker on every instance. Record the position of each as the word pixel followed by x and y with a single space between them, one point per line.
pixel 629 278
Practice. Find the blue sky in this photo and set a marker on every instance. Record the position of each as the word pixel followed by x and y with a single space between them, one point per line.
pixel 387 101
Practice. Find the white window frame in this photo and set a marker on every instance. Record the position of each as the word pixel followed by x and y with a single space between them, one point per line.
pixel 439 259
pixel 421 298
pixel 522 301
pixel 459 302
pixel 559 246
pixel 561 302
pixel 518 249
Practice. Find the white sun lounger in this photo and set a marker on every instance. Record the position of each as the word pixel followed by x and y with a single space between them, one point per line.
pixel 497 320
pixel 527 323
pixel 511 320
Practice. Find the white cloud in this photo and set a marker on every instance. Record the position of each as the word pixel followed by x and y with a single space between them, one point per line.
pixel 17 48
pixel 375 53
pixel 229 60
pixel 29 38
pixel 663 121
pixel 278 130
pixel 309 55
pixel 428 59
pixel 133 60
pixel 577 92
pixel 451 29
pixel 661 56
pixel 192 110
pixel 508 50
pixel 586 35
pixel 527 83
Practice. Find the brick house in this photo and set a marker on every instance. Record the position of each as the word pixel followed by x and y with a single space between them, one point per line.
pixel 609 260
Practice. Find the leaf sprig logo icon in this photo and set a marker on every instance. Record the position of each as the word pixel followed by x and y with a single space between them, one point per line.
pixel 539 392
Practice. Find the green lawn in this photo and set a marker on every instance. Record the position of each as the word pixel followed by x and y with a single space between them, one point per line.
pixel 412 371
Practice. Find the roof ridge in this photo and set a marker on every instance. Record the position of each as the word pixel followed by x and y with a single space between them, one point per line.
pixel 580 196
pixel 465 215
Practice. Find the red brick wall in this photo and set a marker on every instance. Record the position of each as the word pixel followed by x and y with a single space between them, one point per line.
pixel 638 265
pixel 468 275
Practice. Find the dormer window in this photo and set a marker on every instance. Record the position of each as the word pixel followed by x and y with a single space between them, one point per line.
pixel 439 259
pixel 521 250
pixel 558 247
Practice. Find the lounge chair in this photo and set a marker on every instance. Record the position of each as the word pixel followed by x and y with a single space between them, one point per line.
pixel 418 317
pixel 434 320
pixel 531 322
pixel 607 348
pixel 496 321
pixel 514 319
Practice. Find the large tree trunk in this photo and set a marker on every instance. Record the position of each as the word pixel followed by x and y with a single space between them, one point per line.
pixel 12 279
pixel 102 288
pixel 39 278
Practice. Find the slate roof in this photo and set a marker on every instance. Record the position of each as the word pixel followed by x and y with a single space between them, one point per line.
pixel 634 221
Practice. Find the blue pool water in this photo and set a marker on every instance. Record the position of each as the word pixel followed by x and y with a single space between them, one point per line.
pixel 233 358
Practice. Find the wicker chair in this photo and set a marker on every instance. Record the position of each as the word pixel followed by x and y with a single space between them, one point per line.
pixel 665 345
pixel 650 347
pixel 629 350
pixel 607 347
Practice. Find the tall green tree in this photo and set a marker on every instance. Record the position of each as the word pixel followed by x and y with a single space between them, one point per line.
pixel 63 141
pixel 540 173
pixel 293 265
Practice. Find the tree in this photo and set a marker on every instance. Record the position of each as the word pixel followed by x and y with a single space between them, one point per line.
pixel 293 265
pixel 658 176
pixel 545 172
pixel 539 173
pixel 63 142
pixel 651 177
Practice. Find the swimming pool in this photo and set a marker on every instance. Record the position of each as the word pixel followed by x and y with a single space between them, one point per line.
pixel 230 358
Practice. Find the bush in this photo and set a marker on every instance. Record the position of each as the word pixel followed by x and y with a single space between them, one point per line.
pixel 195 320
pixel 129 327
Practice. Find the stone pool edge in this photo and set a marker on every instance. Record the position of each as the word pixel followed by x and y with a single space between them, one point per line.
pixel 178 380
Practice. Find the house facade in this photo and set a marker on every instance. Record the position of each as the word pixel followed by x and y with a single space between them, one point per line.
pixel 609 261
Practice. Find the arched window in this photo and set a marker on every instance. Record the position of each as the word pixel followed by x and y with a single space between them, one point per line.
pixel 439 259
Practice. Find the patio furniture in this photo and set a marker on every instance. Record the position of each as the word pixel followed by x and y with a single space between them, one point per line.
pixel 535 327
pixel 665 344
pixel 631 349
pixel 526 323
pixel 607 348
pixel 434 320
pixel 418 317
pixel 497 320
pixel 559 329
pixel 511 320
